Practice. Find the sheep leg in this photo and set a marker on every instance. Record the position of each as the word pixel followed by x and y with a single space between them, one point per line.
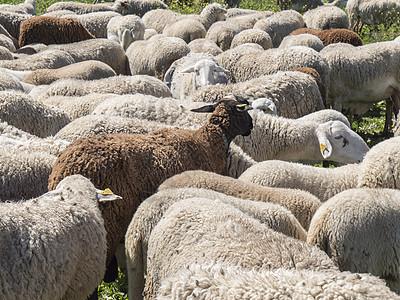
pixel 388 117
pixel 396 103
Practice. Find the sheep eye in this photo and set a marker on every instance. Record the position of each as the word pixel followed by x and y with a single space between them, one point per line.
pixel 345 141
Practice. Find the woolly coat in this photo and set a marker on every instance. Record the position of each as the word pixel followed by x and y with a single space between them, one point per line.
pixel 301 204
pixel 119 85
pixel 51 30
pixel 53 246
pixel 204 45
pixel 85 70
pixel 305 39
pixel 252 35
pixel 323 183
pixel 151 211
pixel 359 230
pixel 326 17
pixel 331 36
pixel 119 6
pixel 201 234
pixel 11 21
pixel 222 33
pixel 216 280
pixel 134 165
pixel 20 110
pixel 117 25
pixel 186 29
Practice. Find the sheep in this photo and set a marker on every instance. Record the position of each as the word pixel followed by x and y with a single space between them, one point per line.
pixel 26 7
pixel 294 93
pixel 154 56
pixel 140 7
pixel 204 46
pixel 11 22
pixel 301 204
pixel 45 243
pixel 280 25
pixel 5 54
pixel 318 80
pixel 247 21
pixel 148 216
pixel 380 167
pixel 125 30
pixel 280 138
pixel 85 70
pixel 24 141
pixel 5 35
pixel 237 161
pixel 148 33
pixel 103 50
pixel 51 30
pixel 371 13
pixel 192 72
pixel 236 12
pixel 10 82
pixel 252 36
pixel 24 173
pixel 186 29
pixel 143 157
pixel 212 281
pixel 323 183
pixel 325 115
pixel 222 33
pixel 299 5
pixel 330 36
pixel 95 22
pixel 244 63
pixel 76 106
pixel 116 84
pixel 364 239
pixel 7 43
pixel 305 39
pixel 354 92
pixel 20 110
pixel 203 235
pixel 157 19
pixel 60 13
pixel 91 125
pixel 48 59
pixel 326 17
pixel 119 6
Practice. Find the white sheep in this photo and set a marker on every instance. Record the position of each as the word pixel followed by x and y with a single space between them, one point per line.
pixel 186 29
pixel 280 25
pixel 11 22
pixel 204 46
pixel 359 230
pixel 354 85
pixel 119 85
pixel 193 72
pixel 305 39
pixel 323 183
pixel 47 59
pixel 151 211
pixel 201 234
pixel 125 30
pixel 212 281
pixel 103 50
pixel 301 204
pixel 20 110
pixel 252 35
pixel 155 55
pixel 45 243
pixel 276 137
pixel 85 70
pixel 119 6
pixel 8 81
pixel 222 33
pixel 247 21
pixel 294 93
pixel 8 43
pixel 326 115
pixel 159 18
pixel 326 17
pixel 26 7
pixel 140 7
pixel 371 12
pixel 246 63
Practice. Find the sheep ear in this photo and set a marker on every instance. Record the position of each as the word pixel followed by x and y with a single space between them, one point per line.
pixel 106 195
pixel 188 69
pixel 169 74
pixel 205 109
pixel 325 145
pixel 220 69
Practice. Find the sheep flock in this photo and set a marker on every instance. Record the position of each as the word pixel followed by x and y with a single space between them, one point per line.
pixel 210 155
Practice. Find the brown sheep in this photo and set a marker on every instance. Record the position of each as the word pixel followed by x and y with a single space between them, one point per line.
pixel 135 165
pixel 334 35
pixel 52 30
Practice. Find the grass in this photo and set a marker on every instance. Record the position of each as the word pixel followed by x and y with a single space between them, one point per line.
pixel 370 126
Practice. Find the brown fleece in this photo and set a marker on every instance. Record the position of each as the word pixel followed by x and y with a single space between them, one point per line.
pixel 331 36
pixel 314 73
pixel 52 30
pixel 133 166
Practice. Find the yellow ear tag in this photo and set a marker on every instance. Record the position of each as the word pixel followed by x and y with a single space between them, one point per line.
pixel 241 105
pixel 323 147
pixel 107 191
